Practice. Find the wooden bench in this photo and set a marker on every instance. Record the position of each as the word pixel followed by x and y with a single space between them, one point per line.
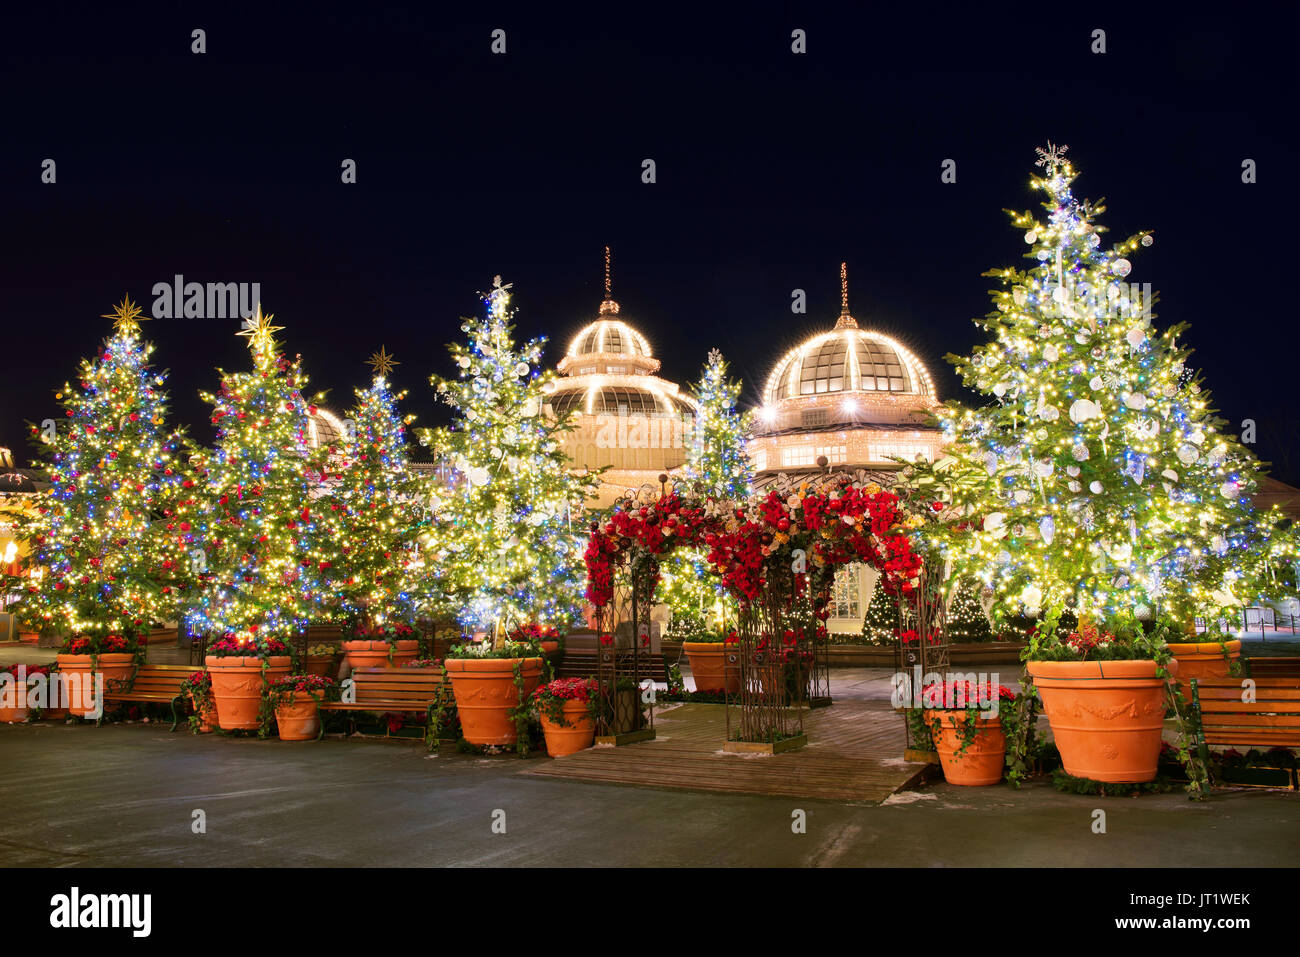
pixel 1272 720
pixel 582 664
pixel 380 690
pixel 154 684
pixel 1272 667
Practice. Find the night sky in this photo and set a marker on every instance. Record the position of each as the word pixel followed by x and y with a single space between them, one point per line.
pixel 772 168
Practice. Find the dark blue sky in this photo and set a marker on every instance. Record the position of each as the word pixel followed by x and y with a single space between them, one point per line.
pixel 771 169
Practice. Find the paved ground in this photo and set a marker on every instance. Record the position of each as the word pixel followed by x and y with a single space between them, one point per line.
pixel 125 795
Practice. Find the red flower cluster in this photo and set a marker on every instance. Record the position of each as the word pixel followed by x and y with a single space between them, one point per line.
pixel 656 529
pixel 968 694
pixel 533 632
pixel 1088 638
pixel 304 682
pixel 108 645
pixel 229 645
pixel 567 689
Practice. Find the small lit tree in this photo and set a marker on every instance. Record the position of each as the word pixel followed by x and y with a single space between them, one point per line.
pixel 375 503
pixel 966 620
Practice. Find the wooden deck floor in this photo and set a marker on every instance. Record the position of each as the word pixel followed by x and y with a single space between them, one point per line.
pixel 853 754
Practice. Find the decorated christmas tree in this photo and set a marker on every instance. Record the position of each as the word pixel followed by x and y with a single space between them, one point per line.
pixel 1096 476
pixel 376 504
pixel 509 532
pixel 881 623
pixel 261 550
pixel 717 464
pixel 98 533
pixel 966 620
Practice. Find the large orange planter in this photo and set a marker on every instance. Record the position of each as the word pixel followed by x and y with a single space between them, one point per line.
pixel 486 694
pixel 374 654
pixel 576 736
pixel 13 701
pixel 238 683
pixel 1202 659
pixel 982 761
pixel 79 673
pixel 1106 716
pixel 15 714
pixel 299 720
pixel 61 712
pixel 709 666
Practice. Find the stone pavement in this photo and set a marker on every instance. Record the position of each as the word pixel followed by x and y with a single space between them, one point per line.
pixel 125 795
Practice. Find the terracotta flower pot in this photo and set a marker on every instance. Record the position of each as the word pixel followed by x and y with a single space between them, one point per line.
pixel 323 664
pixel 238 683
pixel 374 654
pixel 709 666
pixel 61 712
pixel 1106 716
pixel 79 682
pixel 486 694
pixel 576 736
pixel 298 720
pixel 1202 659
pixel 13 695
pixel 982 761
pixel 550 646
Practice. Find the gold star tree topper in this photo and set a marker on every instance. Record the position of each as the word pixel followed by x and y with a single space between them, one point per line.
pixel 126 316
pixel 382 363
pixel 258 326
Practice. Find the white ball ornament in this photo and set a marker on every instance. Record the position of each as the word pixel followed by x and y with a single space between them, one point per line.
pixel 1148 239
pixel 1044 469
pixel 1083 410
pixel 1136 336
pixel 1121 267
pixel 1187 454
pixel 1031 237
pixel 1080 452
pixel 1051 353
pixel 1095 488
pixel 1135 400
pixel 1072 471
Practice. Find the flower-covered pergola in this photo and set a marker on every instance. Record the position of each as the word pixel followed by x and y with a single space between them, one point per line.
pixel 777 553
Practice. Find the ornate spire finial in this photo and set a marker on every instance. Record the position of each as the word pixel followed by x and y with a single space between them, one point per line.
pixel 382 363
pixel 608 307
pixel 845 320
pixel 126 316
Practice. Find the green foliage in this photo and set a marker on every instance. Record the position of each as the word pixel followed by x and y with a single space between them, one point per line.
pixel 1069 784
